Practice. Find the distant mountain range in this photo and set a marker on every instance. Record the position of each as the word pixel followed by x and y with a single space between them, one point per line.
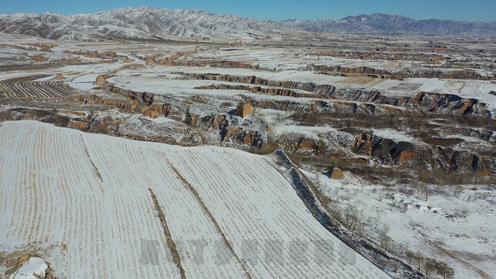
pixel 394 24
pixel 154 23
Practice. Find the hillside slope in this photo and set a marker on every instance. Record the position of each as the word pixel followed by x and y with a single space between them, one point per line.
pixel 96 206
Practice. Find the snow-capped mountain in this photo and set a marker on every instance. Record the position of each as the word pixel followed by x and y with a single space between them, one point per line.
pixel 394 24
pixel 156 23
pixel 136 23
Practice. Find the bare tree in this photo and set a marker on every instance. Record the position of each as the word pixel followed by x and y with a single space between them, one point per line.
pixel 429 267
pixel 410 256
pixel 458 189
pixel 445 271
pixel 425 191
pixel 352 216
pixel 384 239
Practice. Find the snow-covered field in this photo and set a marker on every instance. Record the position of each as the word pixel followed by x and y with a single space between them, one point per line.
pixel 95 206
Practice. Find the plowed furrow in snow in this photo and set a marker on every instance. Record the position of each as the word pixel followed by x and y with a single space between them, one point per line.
pixel 170 242
pixel 211 217
pixel 35 89
pixel 189 222
pixel 97 172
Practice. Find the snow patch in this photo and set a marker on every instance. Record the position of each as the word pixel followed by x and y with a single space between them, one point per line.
pixel 34 268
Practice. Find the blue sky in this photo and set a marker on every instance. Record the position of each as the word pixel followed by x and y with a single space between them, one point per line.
pixel 484 10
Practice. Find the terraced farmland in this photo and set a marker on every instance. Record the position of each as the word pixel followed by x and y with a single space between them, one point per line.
pixel 101 207
pixel 34 89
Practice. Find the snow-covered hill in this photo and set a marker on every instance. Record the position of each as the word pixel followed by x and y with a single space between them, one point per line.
pixel 394 24
pixel 156 23
pixel 136 23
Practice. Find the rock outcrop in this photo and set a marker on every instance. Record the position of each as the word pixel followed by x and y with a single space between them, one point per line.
pixel 307 145
pixel 244 110
pixel 101 80
pixel 336 174
pixel 156 110
pixel 59 76
pixel 79 125
pixel 191 119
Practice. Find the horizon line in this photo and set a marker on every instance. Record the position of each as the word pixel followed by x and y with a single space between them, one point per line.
pixel 247 17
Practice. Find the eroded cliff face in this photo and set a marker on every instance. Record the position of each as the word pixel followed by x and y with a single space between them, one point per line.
pixel 443 160
pixel 449 139
pixel 425 101
pixel 401 74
